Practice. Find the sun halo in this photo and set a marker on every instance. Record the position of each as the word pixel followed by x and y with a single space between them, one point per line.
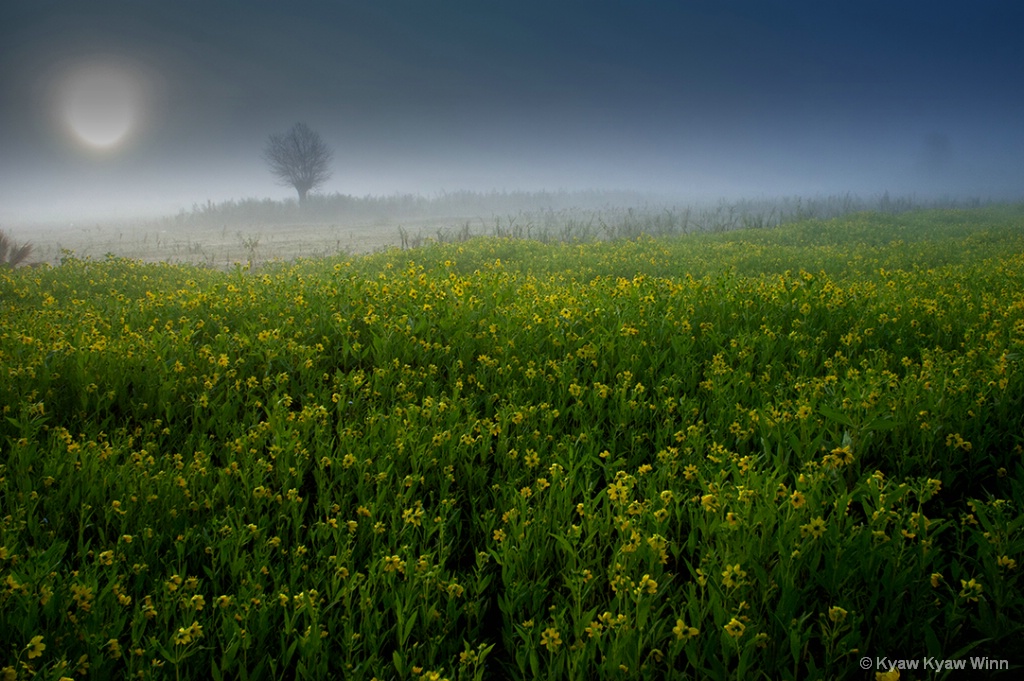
pixel 101 104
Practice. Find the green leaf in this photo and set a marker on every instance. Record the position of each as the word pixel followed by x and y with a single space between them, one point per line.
pixel 161 649
pixel 563 543
pixel 407 629
pixel 396 659
pixel 835 415
pixel 881 424
pixel 931 641
pixel 228 659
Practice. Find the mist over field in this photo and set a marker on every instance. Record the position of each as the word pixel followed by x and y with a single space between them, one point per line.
pixel 114 111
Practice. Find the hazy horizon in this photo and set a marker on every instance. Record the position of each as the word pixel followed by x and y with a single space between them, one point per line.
pixel 691 101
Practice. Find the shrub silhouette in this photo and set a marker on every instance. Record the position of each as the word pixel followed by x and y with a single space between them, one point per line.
pixel 12 255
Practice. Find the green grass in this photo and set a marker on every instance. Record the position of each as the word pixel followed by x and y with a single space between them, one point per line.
pixel 761 453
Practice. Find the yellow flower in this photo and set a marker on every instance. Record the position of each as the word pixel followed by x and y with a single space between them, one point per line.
pixel 735 628
pixel 36 647
pixel 936 578
pixel 551 639
pixel 394 564
pixel 971 589
pixel 709 502
pixel 815 528
pixel 618 492
pixel 647 584
pixel 797 499
pixel 185 636
pixel 1007 562
pixel 733 576
pixel 684 632
pixel 413 516
pixel 891 675
pixel 836 614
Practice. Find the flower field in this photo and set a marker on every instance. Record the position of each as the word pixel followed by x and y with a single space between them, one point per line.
pixel 763 453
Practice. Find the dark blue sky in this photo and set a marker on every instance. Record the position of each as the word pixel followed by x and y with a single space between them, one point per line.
pixel 697 99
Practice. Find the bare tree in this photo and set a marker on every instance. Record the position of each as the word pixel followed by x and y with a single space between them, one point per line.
pixel 10 254
pixel 299 158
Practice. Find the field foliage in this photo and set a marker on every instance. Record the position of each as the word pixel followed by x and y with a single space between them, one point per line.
pixel 761 453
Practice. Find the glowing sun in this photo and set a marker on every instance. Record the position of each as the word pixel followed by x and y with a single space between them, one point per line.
pixel 101 104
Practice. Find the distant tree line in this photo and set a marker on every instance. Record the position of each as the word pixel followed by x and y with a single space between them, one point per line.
pixel 301 159
pixel 550 209
pixel 339 207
